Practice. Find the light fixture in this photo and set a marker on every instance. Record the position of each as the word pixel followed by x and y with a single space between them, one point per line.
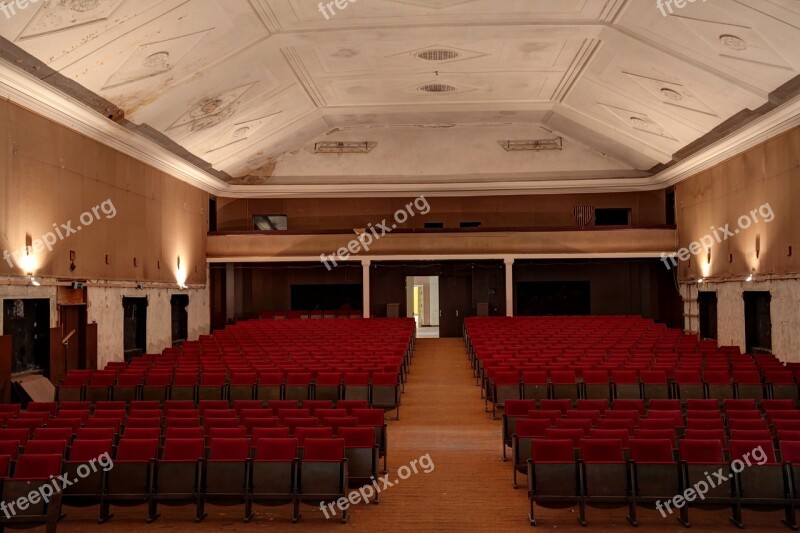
pixel 536 145
pixel 701 281
pixel 35 282
pixel 751 277
pixel 180 275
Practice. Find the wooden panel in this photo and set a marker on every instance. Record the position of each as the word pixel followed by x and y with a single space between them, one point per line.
pixel 66 296
pixel 455 244
pixel 647 209
pixel 5 367
pixel 91 346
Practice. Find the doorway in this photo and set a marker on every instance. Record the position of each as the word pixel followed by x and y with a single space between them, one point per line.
pixel 73 321
pixel 757 321
pixel 180 318
pixel 422 304
pixel 135 327
pixel 707 308
pixel 28 323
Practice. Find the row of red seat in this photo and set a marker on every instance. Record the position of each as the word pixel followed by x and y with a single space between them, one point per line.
pixel 653 473
pixel 186 471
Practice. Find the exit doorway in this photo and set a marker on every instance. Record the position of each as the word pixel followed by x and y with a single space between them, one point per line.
pixel 422 304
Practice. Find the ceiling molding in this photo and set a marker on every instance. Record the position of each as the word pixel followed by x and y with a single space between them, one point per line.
pixel 41 98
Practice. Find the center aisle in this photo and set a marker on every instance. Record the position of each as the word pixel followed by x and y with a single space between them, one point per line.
pixel 441 415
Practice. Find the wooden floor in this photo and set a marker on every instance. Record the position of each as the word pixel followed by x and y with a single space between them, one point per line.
pixel 469 489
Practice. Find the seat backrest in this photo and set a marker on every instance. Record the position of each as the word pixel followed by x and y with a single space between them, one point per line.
pixel 15 434
pixel 45 447
pixel 269 433
pixel 173 432
pixel 303 433
pixel 604 451
pixel 183 450
pixel 790 451
pixel 611 434
pixel 9 448
pixel 561 434
pixel 652 451
pixel 630 405
pixel 701 451
pixel 64 434
pixel 355 437
pixel 698 404
pixel 705 434
pixel 664 405
pixel 753 452
pixel 533 427
pixel 740 405
pixel 655 434
pixel 36 466
pixel 142 433
pixel 86 450
pixel 276 450
pixel 229 449
pixel 519 407
pixel 137 450
pixel 552 451
pixel 323 450
pixel 750 434
pixel 562 405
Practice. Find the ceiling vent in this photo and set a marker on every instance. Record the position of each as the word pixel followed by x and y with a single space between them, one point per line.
pixel 437 88
pixel 437 54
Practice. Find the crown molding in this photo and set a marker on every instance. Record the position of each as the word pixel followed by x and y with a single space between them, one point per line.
pixel 38 96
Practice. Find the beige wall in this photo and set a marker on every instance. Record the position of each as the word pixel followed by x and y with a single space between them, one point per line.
pixel 766 174
pixel 51 175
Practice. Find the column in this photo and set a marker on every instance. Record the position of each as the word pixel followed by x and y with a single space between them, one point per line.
pixel 365 263
pixel 509 286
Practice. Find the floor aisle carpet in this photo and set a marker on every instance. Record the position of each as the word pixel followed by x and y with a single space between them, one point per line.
pixel 469 489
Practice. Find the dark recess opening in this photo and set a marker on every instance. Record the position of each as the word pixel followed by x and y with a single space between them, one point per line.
pixel 180 318
pixel 434 225
pixel 212 214
pixel 470 225
pixel 559 298
pixel 135 327
pixel 670 207
pixel 707 304
pixel 327 297
pixel 612 217
pixel 28 323
pixel 757 321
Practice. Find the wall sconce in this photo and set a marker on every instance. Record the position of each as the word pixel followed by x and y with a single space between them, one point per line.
pixel 751 277
pixel 72 266
pixel 758 245
pixel 708 256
